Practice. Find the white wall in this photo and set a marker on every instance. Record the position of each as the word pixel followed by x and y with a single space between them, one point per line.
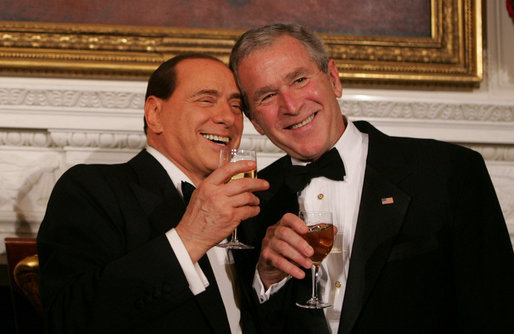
pixel 47 125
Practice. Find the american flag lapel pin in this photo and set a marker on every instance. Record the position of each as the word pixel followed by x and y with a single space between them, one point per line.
pixel 387 200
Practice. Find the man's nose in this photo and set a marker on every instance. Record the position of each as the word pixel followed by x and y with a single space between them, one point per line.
pixel 290 102
pixel 224 114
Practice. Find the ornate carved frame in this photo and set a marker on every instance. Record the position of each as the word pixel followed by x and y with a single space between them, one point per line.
pixel 452 56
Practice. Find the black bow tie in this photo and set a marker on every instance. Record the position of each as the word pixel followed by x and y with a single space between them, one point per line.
pixel 328 165
pixel 187 191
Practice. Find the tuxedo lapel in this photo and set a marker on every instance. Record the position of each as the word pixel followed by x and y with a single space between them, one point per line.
pixel 156 194
pixel 210 300
pixel 164 208
pixel 381 214
pixel 378 225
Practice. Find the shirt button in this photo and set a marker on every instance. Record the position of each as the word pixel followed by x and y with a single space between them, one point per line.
pixel 320 196
pixel 338 284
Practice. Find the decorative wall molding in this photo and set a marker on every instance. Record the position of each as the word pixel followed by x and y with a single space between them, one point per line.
pixel 25 138
pixel 135 141
pixel 114 101
pixel 101 140
pixel 71 98
pixel 470 112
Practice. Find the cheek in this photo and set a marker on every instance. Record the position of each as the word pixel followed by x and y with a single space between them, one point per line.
pixel 318 93
pixel 267 117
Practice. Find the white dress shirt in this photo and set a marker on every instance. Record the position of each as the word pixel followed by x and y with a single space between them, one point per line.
pixel 221 259
pixel 342 198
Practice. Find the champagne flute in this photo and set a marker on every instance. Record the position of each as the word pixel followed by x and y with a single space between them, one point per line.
pixel 321 239
pixel 233 155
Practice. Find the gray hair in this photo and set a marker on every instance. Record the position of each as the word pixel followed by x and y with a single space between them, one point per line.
pixel 258 38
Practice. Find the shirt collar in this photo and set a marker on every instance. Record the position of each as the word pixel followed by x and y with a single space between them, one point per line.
pixel 348 145
pixel 175 174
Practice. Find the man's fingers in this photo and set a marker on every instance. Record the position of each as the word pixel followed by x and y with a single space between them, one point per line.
pixel 292 249
pixel 285 250
pixel 294 222
pixel 224 173
pixel 244 199
pixel 290 229
pixel 246 185
pixel 247 212
pixel 268 268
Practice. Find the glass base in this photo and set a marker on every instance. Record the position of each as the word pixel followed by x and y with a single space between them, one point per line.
pixel 235 245
pixel 313 304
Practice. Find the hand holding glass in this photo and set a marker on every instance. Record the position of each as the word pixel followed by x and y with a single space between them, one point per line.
pixel 321 239
pixel 233 155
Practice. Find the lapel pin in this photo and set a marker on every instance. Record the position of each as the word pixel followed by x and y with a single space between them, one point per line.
pixel 387 200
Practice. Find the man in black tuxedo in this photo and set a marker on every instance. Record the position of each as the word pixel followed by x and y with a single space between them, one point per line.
pixel 122 249
pixel 422 245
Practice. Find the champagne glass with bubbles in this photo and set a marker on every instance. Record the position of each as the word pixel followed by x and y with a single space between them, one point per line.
pixel 233 155
pixel 321 238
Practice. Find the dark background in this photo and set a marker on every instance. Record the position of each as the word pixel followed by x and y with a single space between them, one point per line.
pixel 6 312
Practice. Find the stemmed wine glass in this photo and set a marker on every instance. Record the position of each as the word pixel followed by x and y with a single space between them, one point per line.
pixel 321 239
pixel 233 155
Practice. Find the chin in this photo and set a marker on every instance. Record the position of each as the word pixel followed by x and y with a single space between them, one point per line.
pixel 311 149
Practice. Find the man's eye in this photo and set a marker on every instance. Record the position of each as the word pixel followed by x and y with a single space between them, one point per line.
pixel 267 97
pixel 207 101
pixel 300 81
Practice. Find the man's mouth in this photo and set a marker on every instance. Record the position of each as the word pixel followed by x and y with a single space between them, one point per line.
pixel 217 139
pixel 304 122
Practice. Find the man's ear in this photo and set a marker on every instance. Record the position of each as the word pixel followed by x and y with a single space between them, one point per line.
pixel 153 107
pixel 257 126
pixel 333 75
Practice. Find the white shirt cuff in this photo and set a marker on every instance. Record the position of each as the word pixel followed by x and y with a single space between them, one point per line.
pixel 258 286
pixel 194 274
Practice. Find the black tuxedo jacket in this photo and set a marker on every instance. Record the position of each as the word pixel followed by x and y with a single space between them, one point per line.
pixel 437 260
pixel 106 264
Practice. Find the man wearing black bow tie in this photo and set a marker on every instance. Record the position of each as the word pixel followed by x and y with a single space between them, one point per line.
pixel 422 245
pixel 126 248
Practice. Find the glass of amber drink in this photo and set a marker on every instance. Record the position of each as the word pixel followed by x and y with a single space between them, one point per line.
pixel 321 238
pixel 233 155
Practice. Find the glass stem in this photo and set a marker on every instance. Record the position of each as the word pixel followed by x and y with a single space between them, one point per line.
pixel 314 271
pixel 234 235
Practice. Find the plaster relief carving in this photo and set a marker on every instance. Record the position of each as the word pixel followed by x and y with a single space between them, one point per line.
pixel 72 98
pixel 30 138
pixel 102 140
pixel 26 184
pixel 430 111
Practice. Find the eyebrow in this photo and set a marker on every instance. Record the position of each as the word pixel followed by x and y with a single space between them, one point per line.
pixel 236 96
pixel 216 93
pixel 290 76
pixel 261 91
pixel 206 92
pixel 295 74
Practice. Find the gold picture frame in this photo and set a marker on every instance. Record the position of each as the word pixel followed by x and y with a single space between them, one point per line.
pixel 451 56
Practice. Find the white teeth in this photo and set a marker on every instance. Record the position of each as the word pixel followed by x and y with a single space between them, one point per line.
pixel 296 126
pixel 218 139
